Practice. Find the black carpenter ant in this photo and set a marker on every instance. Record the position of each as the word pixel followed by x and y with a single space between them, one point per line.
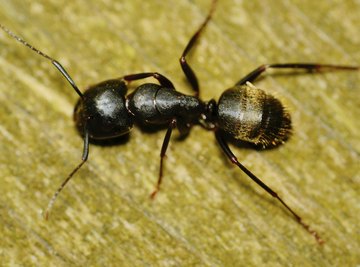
pixel 243 112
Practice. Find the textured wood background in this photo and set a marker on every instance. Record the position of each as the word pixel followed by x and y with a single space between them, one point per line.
pixel 208 213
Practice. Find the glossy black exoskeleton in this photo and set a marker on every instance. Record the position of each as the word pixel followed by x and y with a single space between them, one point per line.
pixel 243 112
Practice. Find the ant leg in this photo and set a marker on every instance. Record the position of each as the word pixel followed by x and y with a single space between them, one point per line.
pixel 189 73
pixel 53 61
pixel 84 158
pixel 224 146
pixel 305 66
pixel 165 82
pixel 164 147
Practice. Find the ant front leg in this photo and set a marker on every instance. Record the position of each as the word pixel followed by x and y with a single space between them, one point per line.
pixel 164 147
pixel 224 146
pixel 305 66
pixel 189 73
pixel 165 82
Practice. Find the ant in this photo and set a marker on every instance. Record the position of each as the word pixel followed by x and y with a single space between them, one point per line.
pixel 243 112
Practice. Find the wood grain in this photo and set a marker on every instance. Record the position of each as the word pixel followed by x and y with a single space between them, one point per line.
pixel 208 212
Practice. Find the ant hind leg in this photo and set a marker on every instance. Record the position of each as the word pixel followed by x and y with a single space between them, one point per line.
pixel 226 149
pixel 313 67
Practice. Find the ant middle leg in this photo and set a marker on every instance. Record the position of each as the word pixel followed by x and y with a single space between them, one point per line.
pixel 188 71
pixel 164 147
pixel 305 66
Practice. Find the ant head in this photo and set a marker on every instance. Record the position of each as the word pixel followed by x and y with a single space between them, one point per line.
pixel 102 112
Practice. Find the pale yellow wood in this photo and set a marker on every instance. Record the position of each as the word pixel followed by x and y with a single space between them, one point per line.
pixel 208 212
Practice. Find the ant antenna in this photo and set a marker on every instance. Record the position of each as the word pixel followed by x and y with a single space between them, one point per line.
pixel 62 70
pixel 53 61
pixel 83 160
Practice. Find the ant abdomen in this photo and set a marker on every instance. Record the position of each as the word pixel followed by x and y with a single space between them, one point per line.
pixel 249 114
pixel 102 110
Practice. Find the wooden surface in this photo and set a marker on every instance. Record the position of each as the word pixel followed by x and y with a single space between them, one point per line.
pixel 208 212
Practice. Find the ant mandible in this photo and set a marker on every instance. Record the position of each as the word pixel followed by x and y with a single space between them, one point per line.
pixel 243 112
